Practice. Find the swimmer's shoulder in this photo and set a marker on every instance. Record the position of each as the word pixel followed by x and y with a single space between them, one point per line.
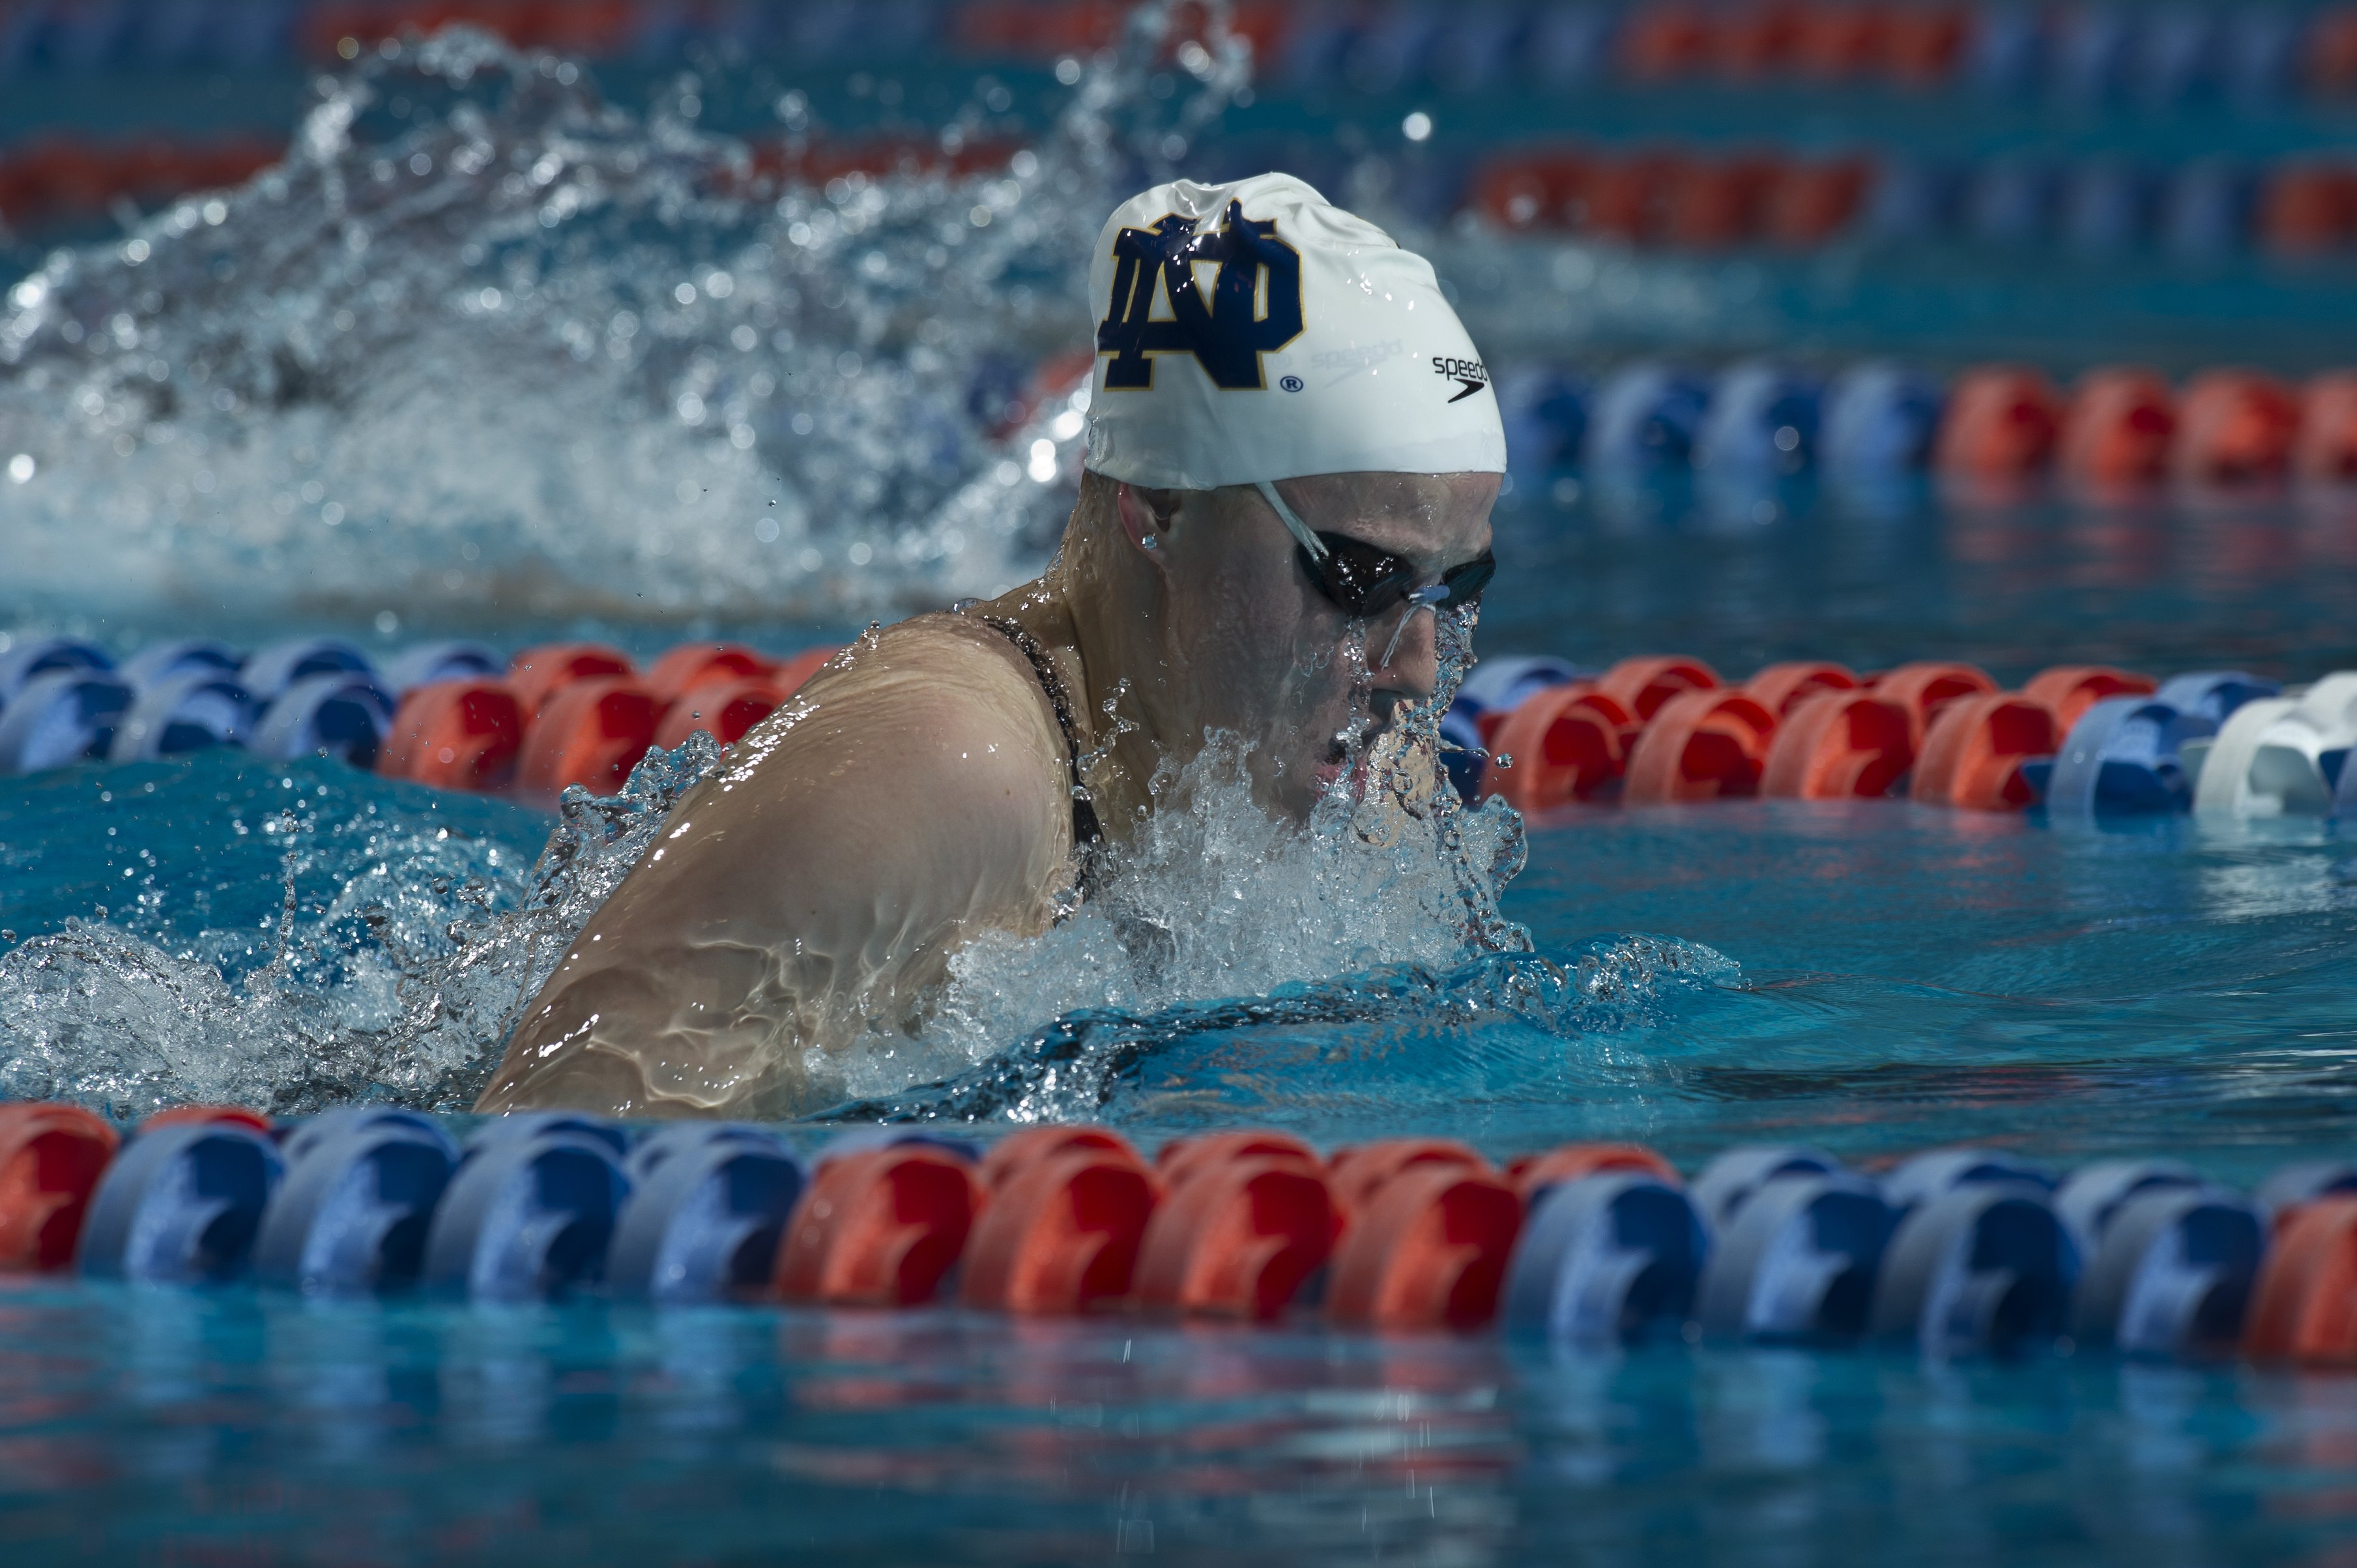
pixel 923 719
pixel 958 668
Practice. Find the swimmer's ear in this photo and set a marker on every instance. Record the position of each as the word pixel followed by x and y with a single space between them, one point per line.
pixel 1146 515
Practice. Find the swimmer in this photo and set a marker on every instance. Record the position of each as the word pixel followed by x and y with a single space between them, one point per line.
pixel 1292 453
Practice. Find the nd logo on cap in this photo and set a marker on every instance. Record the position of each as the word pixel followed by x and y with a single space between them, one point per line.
pixel 1334 300
pixel 1228 333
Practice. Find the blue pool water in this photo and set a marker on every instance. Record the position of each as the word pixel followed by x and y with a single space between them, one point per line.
pixel 234 1428
pixel 1894 977
pixel 1873 977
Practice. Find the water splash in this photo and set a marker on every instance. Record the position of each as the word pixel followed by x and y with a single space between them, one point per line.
pixel 1082 1066
pixel 486 344
pixel 1396 885
pixel 398 943
pixel 480 317
pixel 425 937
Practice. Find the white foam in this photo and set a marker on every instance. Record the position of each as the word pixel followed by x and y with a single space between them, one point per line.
pixel 483 345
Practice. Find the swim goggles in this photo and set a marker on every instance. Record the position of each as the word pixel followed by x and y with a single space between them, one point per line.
pixel 1365 581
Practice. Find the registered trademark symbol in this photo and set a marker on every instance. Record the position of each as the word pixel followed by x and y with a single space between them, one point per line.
pixel 1291 383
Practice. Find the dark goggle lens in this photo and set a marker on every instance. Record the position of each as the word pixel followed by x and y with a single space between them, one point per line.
pixel 1365 581
pixel 1465 583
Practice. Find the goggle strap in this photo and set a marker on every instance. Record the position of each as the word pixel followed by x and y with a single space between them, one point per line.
pixel 1414 602
pixel 1293 523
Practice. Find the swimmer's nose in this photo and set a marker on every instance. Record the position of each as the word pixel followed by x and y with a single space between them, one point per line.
pixel 1410 671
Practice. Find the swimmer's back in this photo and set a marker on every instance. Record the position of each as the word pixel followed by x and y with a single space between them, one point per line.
pixel 914 793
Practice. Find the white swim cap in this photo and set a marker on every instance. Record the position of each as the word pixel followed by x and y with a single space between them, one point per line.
pixel 1253 331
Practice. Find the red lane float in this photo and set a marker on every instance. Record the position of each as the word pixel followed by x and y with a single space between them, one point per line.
pixel 692 664
pixel 1840 43
pixel 537 673
pixel 1541 190
pixel 2119 429
pixel 1722 202
pixel 2002 423
pixel 456 735
pixel 883 1227
pixel 55 179
pixel 1759 41
pixel 591 733
pixel 727 710
pixel 2239 428
pixel 1571 1161
pixel 1663 40
pixel 2307 209
pixel 202 1115
pixel 1626 197
pixel 2071 689
pixel 1814 200
pixel 2304 1307
pixel 1568 742
pixel 1839 745
pixel 1924 44
pixel 1907 46
pixel 1642 685
pixel 1018 1152
pixel 1972 756
pixel 1923 689
pixel 1182 1159
pixel 1780 688
pixel 1427 1251
pixel 1361 1171
pixel 1239 1232
pixel 1061 1234
pixel 1700 746
pixel 2326 453
pixel 600 28
pixel 50 1159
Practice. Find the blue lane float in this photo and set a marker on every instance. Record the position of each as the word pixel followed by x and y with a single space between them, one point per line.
pixel 1645 420
pixel 1980 1268
pixel 1956 1253
pixel 2089 1196
pixel 180 1205
pixel 2305 1182
pixel 2214 695
pixel 1609 1259
pixel 1935 1174
pixel 351 1216
pixel 270 671
pixel 1797 1262
pixel 1544 410
pixel 708 1205
pixel 2206 208
pixel 343 713
pixel 180 656
pixel 2171 1273
pixel 530 1211
pixel 45 655
pixel 60 718
pixel 1878 420
pixel 1727 1184
pixel 189 712
pixel 1761 422
pixel 430 662
pixel 2123 757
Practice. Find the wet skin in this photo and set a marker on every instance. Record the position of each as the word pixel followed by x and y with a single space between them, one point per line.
pixel 805 900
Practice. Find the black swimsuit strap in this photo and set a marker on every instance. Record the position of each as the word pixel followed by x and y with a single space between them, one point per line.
pixel 1086 831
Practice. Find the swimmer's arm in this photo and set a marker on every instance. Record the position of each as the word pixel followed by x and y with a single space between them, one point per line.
pixel 821 879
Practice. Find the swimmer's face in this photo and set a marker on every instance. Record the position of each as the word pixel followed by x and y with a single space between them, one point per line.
pixel 1252 646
